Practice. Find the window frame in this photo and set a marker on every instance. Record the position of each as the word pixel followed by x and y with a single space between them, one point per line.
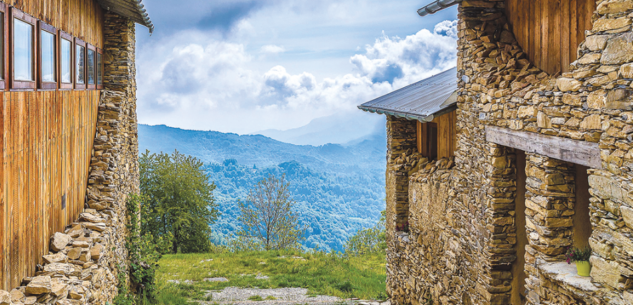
pixel 52 30
pixel 20 85
pixel 94 75
pixel 99 68
pixel 71 39
pixel 78 86
pixel 5 49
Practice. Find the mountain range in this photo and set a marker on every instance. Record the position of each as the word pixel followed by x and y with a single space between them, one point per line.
pixel 338 188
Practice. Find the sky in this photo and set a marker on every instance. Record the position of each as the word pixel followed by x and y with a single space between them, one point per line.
pixel 245 66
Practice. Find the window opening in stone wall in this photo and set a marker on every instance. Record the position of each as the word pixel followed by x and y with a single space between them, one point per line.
pixel 582 224
pixel 518 267
pixel 437 139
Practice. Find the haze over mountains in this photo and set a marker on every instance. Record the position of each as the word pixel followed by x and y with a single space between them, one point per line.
pixel 334 129
pixel 338 188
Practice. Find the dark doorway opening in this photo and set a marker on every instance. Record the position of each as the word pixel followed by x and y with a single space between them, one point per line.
pixel 518 268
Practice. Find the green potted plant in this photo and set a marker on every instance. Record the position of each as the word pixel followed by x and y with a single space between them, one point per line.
pixel 581 257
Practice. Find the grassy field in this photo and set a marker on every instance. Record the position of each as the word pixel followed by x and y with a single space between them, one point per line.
pixel 323 274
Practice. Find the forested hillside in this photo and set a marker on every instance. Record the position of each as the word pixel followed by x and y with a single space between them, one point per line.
pixel 338 188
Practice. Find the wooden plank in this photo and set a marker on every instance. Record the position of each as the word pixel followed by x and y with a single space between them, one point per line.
pixel 568 150
pixel 564 35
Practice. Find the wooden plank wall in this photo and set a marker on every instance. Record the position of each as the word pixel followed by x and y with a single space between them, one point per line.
pixel 81 18
pixel 46 145
pixel 446 135
pixel 549 31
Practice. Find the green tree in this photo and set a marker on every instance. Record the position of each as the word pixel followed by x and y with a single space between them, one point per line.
pixel 179 203
pixel 267 217
pixel 370 240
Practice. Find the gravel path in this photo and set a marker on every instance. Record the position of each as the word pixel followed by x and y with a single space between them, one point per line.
pixel 237 296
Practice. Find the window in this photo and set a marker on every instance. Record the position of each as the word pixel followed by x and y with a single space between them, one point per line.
pixel 3 45
pixel 48 55
pixel 65 61
pixel 23 51
pixel 90 66
pixel 80 64
pixel 99 69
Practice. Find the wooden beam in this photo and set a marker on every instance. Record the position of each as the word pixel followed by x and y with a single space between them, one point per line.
pixel 568 150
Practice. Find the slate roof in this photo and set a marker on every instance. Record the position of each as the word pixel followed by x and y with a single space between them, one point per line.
pixel 133 9
pixel 421 101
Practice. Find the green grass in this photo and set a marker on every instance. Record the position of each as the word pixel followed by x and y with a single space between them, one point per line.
pixel 323 274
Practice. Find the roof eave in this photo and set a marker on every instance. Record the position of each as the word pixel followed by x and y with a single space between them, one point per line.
pixel 132 9
pixel 437 6
pixel 410 116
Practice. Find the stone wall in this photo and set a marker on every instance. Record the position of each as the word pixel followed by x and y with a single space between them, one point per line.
pixel 464 254
pixel 83 265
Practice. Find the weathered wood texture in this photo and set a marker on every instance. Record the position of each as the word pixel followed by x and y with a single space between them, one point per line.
pixel 446 135
pixel 46 149
pixel 577 152
pixel 81 18
pixel 46 144
pixel 549 31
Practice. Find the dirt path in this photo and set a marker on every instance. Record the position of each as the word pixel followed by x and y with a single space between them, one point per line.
pixel 237 296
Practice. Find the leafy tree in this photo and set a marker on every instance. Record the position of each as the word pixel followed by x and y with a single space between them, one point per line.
pixel 179 204
pixel 370 240
pixel 267 217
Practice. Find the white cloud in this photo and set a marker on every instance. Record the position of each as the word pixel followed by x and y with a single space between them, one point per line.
pixel 272 49
pixel 214 85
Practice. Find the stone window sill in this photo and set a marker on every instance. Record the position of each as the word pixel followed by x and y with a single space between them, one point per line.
pixel 568 275
pixel 402 236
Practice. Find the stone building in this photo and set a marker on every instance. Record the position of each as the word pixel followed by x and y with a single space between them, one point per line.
pixel 542 160
pixel 68 147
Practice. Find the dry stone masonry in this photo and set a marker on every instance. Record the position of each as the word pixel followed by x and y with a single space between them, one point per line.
pixel 84 260
pixel 462 241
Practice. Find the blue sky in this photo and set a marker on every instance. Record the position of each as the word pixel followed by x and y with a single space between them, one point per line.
pixel 244 66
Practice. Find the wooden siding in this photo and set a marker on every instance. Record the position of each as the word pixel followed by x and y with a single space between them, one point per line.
pixel 549 31
pixel 46 150
pixel 446 135
pixel 46 145
pixel 81 18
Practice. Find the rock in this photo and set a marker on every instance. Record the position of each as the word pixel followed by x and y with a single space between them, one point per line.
pixel 627 215
pixel 59 241
pixel 76 231
pixel 90 218
pixel 591 122
pixel 596 42
pixel 30 300
pixel 605 24
pixel 612 7
pixel 619 50
pixel 58 257
pixel 39 285
pixel 17 296
pixel 597 99
pixel 5 298
pixel 99 227
pixel 74 253
pixel 96 252
pixel 626 71
pixel 568 84
pixel 65 269
pixel 59 288
pixel 604 272
pixel 590 58
pixel 216 279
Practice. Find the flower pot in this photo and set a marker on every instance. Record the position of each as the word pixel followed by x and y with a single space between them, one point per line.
pixel 583 268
